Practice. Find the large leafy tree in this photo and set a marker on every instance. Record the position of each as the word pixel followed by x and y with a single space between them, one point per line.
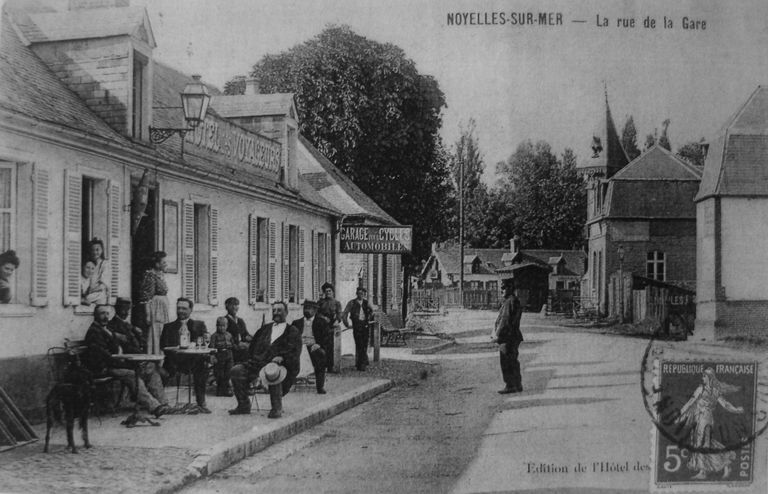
pixel 544 196
pixel 364 105
pixel 629 139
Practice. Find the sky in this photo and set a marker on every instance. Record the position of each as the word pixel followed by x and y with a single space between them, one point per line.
pixel 518 82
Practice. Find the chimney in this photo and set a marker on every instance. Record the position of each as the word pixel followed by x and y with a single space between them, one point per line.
pixel 252 86
pixel 514 244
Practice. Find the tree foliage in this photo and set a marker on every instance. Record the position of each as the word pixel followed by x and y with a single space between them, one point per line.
pixel 693 152
pixel 629 139
pixel 664 139
pixel 364 105
pixel 544 197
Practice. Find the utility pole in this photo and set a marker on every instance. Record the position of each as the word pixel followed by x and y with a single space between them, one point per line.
pixel 461 231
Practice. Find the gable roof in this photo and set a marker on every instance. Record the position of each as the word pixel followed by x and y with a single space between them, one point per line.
pixel 658 164
pixel 492 260
pixel 41 27
pixel 737 162
pixel 340 190
pixel 254 105
pixel 28 87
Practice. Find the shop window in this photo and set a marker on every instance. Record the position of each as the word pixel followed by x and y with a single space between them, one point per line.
pixel 656 266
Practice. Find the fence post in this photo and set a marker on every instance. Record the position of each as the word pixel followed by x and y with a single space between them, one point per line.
pixel 376 328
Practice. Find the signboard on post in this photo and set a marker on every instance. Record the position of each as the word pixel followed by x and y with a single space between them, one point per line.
pixel 375 239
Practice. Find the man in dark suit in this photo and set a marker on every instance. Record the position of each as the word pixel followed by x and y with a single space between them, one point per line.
pixel 276 342
pixel 101 344
pixel 314 329
pixel 362 314
pixel 171 336
pixel 236 327
pixel 507 334
pixel 131 337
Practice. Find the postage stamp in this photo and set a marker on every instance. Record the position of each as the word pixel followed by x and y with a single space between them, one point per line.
pixel 705 416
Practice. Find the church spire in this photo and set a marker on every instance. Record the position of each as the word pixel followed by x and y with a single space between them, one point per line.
pixel 607 155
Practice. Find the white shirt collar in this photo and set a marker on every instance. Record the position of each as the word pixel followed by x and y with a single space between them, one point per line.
pixel 277 331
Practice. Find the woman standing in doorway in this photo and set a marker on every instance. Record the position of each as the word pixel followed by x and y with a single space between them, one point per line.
pixel 153 296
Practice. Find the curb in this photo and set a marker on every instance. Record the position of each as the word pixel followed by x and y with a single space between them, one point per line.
pixel 433 349
pixel 225 453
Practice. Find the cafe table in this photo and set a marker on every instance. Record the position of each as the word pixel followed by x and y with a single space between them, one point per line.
pixel 135 360
pixel 186 361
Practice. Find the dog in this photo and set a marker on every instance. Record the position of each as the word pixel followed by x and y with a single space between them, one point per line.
pixel 71 398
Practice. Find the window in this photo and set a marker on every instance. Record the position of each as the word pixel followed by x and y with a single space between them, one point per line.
pixel 475 285
pixel 295 264
pixel 559 285
pixel 139 95
pixel 7 205
pixel 492 286
pixel 94 206
pixel 258 266
pixel 655 266
pixel 200 259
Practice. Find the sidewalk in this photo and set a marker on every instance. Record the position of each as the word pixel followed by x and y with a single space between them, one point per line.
pixel 147 459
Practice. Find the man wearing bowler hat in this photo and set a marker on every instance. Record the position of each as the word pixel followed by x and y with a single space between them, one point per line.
pixel 313 330
pixel 277 343
pixel 507 334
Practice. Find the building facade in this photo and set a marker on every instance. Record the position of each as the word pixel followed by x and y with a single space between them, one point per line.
pixel 731 211
pixel 80 93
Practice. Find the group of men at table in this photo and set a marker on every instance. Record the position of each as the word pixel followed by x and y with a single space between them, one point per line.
pixel 272 353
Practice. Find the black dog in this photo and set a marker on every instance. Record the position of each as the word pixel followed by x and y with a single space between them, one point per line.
pixel 72 396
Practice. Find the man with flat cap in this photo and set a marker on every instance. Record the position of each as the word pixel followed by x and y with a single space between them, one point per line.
pixel 314 329
pixel 329 310
pixel 506 333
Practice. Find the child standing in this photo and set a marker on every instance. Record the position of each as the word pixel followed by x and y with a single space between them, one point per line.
pixel 222 341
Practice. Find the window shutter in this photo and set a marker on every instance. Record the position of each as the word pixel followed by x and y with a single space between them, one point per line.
pixel 272 261
pixel 315 266
pixel 113 224
pixel 213 262
pixel 253 259
pixel 300 287
pixel 73 190
pixel 286 261
pixel 40 184
pixel 188 249
pixel 328 259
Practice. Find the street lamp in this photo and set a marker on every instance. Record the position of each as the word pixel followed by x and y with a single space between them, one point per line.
pixel 620 252
pixel 194 103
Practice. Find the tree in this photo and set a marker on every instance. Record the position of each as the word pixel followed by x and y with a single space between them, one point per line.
pixel 629 139
pixel 650 140
pixel 466 152
pixel 693 152
pixel 544 196
pixel 364 105
pixel 664 139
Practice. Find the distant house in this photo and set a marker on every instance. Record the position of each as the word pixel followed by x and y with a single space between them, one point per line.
pixel 640 218
pixel 536 271
pixel 731 212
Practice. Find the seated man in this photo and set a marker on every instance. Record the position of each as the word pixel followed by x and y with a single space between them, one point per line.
pixel 236 327
pixel 131 337
pixel 101 344
pixel 171 336
pixel 314 329
pixel 275 342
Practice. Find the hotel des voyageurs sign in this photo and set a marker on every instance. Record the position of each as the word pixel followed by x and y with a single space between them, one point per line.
pixel 375 239
pixel 237 145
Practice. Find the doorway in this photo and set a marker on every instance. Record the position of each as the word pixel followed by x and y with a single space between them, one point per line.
pixel 143 245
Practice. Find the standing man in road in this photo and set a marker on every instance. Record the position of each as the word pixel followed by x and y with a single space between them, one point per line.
pixel 362 314
pixel 507 334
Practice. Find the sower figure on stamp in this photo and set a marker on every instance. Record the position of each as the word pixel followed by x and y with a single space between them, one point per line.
pixel 276 343
pixel 314 329
pixel 507 334
pixel 362 314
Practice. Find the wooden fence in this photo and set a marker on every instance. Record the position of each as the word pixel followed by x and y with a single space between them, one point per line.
pixel 436 299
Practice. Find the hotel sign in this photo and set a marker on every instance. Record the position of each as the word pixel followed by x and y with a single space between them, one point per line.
pixel 375 239
pixel 236 144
